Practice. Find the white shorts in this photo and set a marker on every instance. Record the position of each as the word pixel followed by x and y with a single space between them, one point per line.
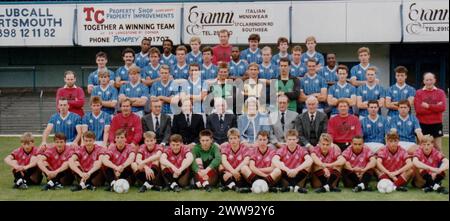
pixel 374 147
pixel 406 145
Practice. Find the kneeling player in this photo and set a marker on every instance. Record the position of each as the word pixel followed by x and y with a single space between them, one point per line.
pixel 328 164
pixel 206 162
pixel 146 167
pixel 294 163
pixel 86 163
pixel 117 159
pixel 394 162
pixel 54 163
pixel 261 165
pixel 358 169
pixel 175 163
pixel 430 166
pixel 234 158
pixel 23 162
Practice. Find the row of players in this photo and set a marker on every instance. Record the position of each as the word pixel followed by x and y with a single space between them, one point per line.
pixel 233 163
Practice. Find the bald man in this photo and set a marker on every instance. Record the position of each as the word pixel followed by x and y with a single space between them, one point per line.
pixel 311 124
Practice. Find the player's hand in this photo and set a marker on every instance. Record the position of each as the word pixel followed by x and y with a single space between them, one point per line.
pixel 51 175
pixel 391 175
pixel 117 174
pixel 291 173
pixel 433 175
pixel 85 176
pixel 327 172
pixel 425 105
pixel 227 176
pixel 43 147
pixel 149 173
pixel 140 166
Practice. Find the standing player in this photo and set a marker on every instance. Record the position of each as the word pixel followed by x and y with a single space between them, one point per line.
pixel 329 71
pixel 146 168
pixel 328 164
pixel 180 69
pixel 194 89
pixel 430 165
pixel 195 56
pixel 168 58
pixel 359 166
pixel 313 85
pixel 287 85
pixel 209 70
pixel 23 162
pixel 101 58
pixel 399 91
pixel 407 126
pixel 252 54
pixel 261 165
pixel 142 58
pixel 175 164
pixel 370 90
pixel 150 73
pixel 283 46
pixel 238 66
pixel 430 104
pixel 294 162
pixel 234 158
pixel 164 90
pixel 267 69
pixel 106 92
pixel 374 127
pixel 298 68
pixel 98 122
pixel 311 53
pixel 206 162
pixel 394 163
pixel 222 51
pixel 358 72
pixel 54 163
pixel 73 94
pixel 122 72
pixel 64 122
pixel 341 90
pixel 86 162
pixel 135 91
pixel 117 159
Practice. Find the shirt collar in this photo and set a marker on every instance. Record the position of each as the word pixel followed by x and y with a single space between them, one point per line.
pixel 74 86
pixel 432 89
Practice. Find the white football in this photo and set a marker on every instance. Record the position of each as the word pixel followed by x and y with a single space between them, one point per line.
pixel 260 186
pixel 385 186
pixel 121 186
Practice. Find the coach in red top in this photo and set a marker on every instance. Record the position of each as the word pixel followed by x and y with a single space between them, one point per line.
pixel 430 104
pixel 73 94
pixel 128 121
pixel 344 126
pixel 222 51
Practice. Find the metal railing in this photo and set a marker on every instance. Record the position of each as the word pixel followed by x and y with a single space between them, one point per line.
pixel 22 68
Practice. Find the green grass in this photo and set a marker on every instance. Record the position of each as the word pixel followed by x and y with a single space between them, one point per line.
pixel 34 193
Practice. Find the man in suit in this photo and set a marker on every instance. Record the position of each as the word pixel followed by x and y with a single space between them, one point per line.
pixel 158 123
pixel 282 121
pixel 220 121
pixel 311 124
pixel 187 124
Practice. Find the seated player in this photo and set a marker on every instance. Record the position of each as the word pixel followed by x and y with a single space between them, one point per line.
pixel 261 166
pixel 86 163
pixel 407 126
pixel 23 162
pixel 294 162
pixel 327 165
pixel 146 167
pixel 358 169
pixel 175 164
pixel 54 163
pixel 206 162
pixel 394 163
pixel 117 159
pixel 430 165
pixel 234 158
